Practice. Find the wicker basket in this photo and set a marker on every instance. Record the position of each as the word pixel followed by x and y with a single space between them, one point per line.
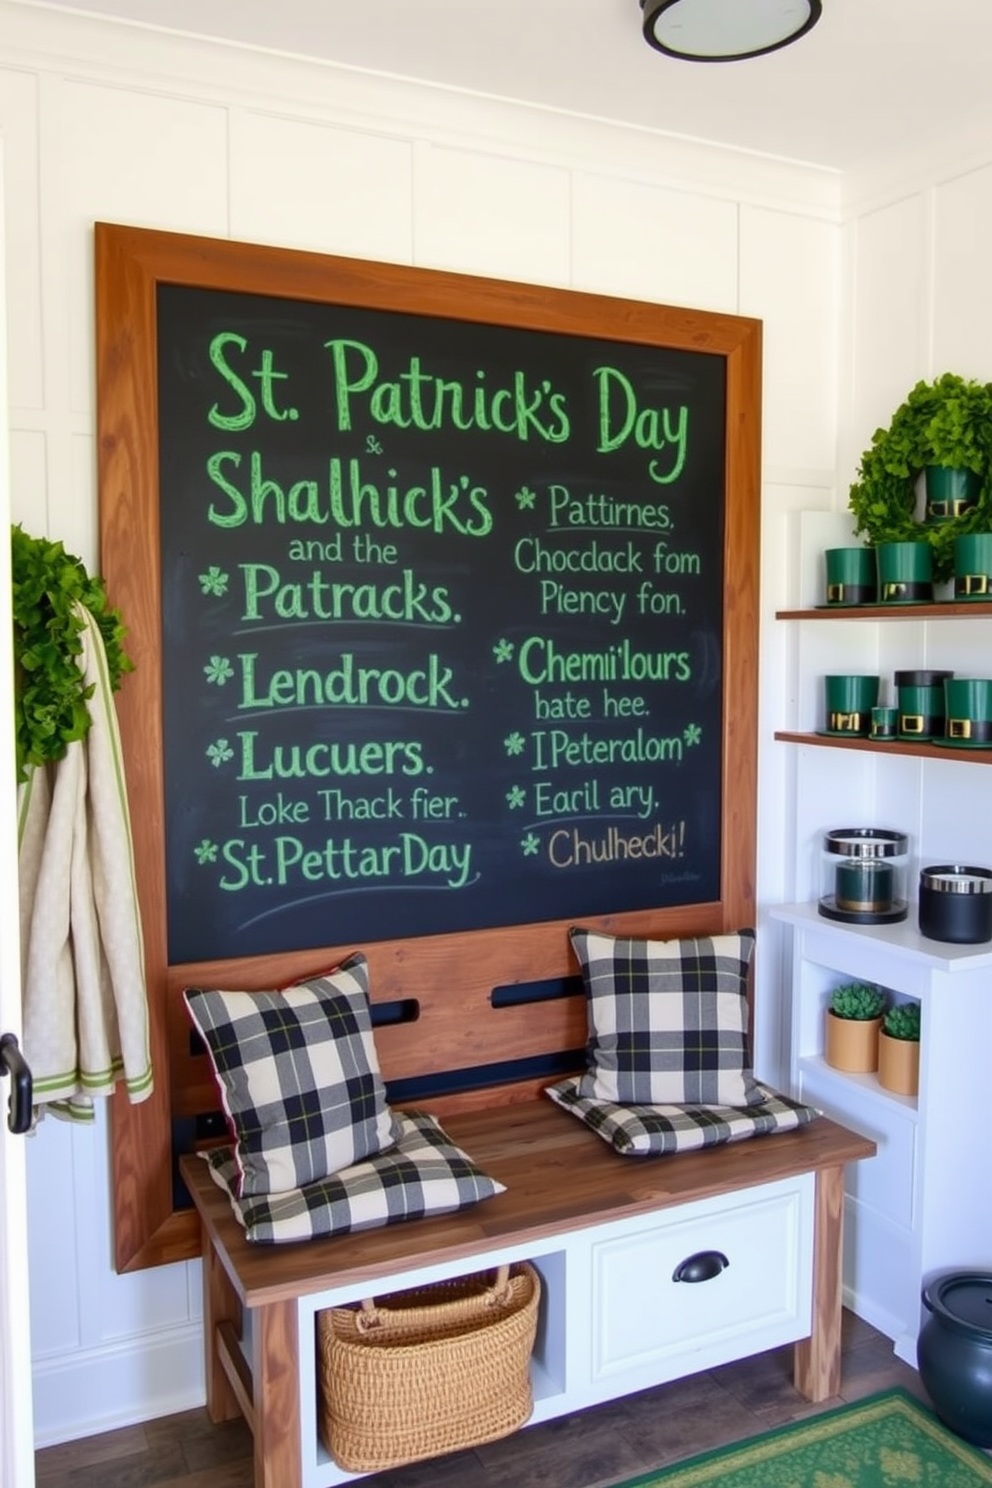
pixel 427 1371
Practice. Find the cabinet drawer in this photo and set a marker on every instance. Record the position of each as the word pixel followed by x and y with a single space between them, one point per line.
pixel 643 1315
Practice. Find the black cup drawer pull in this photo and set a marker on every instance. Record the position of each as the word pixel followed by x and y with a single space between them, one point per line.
pixel 702 1266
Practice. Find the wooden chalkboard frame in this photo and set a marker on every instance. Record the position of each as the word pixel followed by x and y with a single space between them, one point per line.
pixel 130 264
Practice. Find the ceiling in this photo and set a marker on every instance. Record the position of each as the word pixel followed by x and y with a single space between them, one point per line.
pixel 874 77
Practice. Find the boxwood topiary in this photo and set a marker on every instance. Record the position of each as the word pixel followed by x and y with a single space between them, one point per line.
pixel 50 694
pixel 946 422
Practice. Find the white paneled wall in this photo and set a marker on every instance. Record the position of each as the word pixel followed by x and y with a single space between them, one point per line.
pixel 889 306
pixel 962 249
pixel 781 255
pixel 789 272
pixel 489 214
pixel 102 122
pixel 18 122
pixel 315 185
pixel 631 237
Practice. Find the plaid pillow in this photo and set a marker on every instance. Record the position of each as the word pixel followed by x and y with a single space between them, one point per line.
pixel 424 1173
pixel 646 1131
pixel 667 1019
pixel 298 1076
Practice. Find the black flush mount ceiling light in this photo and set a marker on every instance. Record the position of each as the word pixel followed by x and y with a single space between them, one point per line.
pixel 726 30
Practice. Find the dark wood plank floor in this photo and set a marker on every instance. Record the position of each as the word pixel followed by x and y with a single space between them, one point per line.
pixel 590 1449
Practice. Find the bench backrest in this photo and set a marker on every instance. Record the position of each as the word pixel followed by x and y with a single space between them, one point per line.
pixel 476 1019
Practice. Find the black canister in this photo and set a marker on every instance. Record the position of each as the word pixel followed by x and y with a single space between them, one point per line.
pixel 954 1352
pixel 956 903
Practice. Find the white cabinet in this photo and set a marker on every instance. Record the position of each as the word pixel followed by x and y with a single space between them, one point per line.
pixel 924 1203
pixel 613 1317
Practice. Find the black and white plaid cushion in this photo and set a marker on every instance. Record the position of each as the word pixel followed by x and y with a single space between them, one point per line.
pixel 667 1019
pixel 424 1173
pixel 650 1131
pixel 298 1075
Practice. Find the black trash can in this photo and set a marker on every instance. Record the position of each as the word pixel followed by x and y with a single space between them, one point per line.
pixel 954 1352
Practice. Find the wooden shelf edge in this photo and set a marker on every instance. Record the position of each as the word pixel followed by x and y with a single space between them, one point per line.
pixel 949 609
pixel 894 746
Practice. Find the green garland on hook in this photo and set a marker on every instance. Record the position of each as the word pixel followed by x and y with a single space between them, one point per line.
pixel 946 422
pixel 50 695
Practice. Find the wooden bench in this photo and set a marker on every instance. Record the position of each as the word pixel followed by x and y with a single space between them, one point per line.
pixel 605 1232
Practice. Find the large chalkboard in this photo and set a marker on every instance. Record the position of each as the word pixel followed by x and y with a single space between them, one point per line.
pixel 442 623
pixel 442 594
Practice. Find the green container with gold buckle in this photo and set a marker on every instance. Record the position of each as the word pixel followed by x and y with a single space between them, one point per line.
pixel 921 704
pixel 850 699
pixel 905 573
pixel 852 576
pixel 968 713
pixel 950 492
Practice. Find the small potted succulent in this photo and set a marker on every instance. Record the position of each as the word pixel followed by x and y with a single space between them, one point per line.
pixel 899 1049
pixel 854 1017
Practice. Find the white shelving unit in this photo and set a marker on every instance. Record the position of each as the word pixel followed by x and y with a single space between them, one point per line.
pixel 924 1203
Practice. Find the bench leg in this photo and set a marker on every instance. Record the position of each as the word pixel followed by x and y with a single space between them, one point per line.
pixel 816 1369
pixel 276 1390
pixel 220 1307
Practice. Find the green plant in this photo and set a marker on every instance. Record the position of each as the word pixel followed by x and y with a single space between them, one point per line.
pixel 902 1021
pixel 50 693
pixel 858 1000
pixel 945 422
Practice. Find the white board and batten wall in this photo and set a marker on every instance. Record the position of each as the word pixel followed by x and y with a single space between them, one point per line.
pixel 16 1414
pixel 862 286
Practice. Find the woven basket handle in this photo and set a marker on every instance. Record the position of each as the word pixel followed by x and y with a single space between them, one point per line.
pixel 500 1290
pixel 370 1316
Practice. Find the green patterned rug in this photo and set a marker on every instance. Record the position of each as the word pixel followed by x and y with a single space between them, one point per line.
pixel 887 1441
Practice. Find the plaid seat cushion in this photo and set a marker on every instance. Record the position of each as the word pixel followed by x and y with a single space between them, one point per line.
pixel 423 1173
pixel 298 1075
pixel 651 1131
pixel 667 1019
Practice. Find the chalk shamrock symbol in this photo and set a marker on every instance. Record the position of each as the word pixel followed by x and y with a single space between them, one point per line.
pixel 515 797
pixel 526 498
pixel 206 852
pixel 503 651
pixel 219 753
pixel 530 844
pixel 214 581
pixel 692 734
pixel 219 670
pixel 514 743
